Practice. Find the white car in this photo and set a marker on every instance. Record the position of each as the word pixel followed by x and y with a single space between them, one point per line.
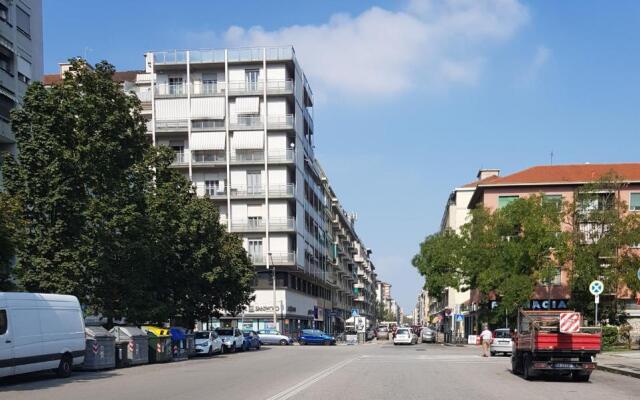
pixel 405 336
pixel 232 339
pixel 208 342
pixel 40 332
pixel 501 342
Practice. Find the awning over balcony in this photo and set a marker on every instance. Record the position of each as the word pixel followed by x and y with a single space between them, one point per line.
pixel 248 105
pixel 247 140
pixel 208 107
pixel 207 140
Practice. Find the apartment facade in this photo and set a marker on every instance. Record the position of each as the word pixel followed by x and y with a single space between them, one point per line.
pixel 559 183
pixel 20 60
pixel 240 122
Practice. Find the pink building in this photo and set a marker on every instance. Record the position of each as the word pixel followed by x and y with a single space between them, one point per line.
pixel 558 182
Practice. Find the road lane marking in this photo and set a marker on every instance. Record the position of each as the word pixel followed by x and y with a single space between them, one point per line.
pixel 297 388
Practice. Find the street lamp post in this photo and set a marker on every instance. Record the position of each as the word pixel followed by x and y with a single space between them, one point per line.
pixel 273 271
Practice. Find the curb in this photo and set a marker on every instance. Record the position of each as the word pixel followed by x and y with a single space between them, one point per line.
pixel 618 371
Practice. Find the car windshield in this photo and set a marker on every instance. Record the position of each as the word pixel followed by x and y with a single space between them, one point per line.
pixel 202 335
pixel 246 334
pixel 503 334
pixel 225 332
pixel 403 332
pixel 383 329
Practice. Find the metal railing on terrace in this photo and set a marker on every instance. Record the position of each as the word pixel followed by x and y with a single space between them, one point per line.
pixel 282 224
pixel 208 89
pixel 258 155
pixel 207 125
pixel 172 125
pixel 170 90
pixel 280 121
pixel 180 159
pixel 282 155
pixel 254 191
pixel 217 55
pixel 208 157
pixel 274 258
pixel 274 86
pixel 247 122
pixel 258 225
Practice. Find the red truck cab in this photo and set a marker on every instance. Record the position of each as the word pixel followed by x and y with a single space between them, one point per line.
pixel 554 343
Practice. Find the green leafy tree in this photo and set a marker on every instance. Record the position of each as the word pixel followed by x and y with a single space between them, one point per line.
pixel 11 230
pixel 604 237
pixel 81 143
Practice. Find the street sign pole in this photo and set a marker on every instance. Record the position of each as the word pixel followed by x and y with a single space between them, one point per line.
pixel 597 300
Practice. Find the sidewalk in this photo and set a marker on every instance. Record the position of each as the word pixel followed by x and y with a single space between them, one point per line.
pixel 623 363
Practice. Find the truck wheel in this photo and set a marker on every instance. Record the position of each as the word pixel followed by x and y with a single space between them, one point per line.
pixel 515 364
pixel 527 372
pixel 65 366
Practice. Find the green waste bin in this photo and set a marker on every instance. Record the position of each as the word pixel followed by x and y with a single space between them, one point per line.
pixel 159 344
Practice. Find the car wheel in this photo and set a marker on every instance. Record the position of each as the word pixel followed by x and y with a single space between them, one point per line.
pixel 284 342
pixel 210 352
pixel 326 343
pixel 258 348
pixel 64 368
pixel 493 353
pixel 233 348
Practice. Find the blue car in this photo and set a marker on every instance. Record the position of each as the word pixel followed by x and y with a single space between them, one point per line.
pixel 315 336
pixel 251 340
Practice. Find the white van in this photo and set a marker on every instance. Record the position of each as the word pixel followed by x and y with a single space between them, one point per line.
pixel 40 332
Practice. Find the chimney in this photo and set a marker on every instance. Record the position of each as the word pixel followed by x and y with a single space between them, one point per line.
pixel 484 173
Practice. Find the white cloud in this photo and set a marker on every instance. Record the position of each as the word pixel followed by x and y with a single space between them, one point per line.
pixel 384 52
pixel 539 60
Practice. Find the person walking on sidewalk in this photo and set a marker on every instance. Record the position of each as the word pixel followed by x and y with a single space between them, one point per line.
pixel 486 337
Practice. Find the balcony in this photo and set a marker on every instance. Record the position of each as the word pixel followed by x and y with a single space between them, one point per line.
pixel 206 157
pixel 241 192
pixel 284 86
pixel 199 125
pixel 358 258
pixel 281 121
pixel 259 225
pixel 361 272
pixel 216 193
pixel 274 87
pixel 358 285
pixel 248 157
pixel 163 90
pixel 180 160
pixel 208 89
pixel 247 122
pixel 178 125
pixel 282 156
pixel 284 53
pixel 274 259
pixel 287 190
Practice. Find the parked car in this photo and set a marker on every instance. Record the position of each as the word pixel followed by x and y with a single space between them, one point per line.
pixel 405 336
pixel 369 334
pixel 208 342
pixel 274 337
pixel 315 336
pixel 232 339
pixel 383 333
pixel 502 342
pixel 428 335
pixel 251 340
pixel 40 332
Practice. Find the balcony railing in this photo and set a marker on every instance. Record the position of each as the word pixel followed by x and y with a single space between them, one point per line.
pixel 258 191
pixel 280 121
pixel 279 86
pixel 247 122
pixel 208 157
pixel 208 89
pixel 216 193
pixel 282 155
pixel 171 90
pixel 207 125
pixel 248 156
pixel 274 86
pixel 250 225
pixel 282 224
pixel 282 190
pixel 172 125
pixel 180 159
pixel 217 55
pixel 143 95
pixel 274 258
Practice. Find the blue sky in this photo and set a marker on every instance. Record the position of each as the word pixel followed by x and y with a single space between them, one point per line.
pixel 412 97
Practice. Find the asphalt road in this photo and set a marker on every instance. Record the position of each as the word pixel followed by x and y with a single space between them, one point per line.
pixel 372 371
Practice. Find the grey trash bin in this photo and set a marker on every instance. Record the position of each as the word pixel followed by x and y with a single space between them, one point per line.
pixel 138 346
pixel 100 351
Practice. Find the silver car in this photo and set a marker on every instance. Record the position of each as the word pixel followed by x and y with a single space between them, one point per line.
pixel 274 337
pixel 428 335
pixel 501 342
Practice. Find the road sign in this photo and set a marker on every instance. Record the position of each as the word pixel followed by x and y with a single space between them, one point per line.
pixel 596 287
pixel 459 317
pixel 354 312
pixel 597 298
pixel 569 322
pixel 361 324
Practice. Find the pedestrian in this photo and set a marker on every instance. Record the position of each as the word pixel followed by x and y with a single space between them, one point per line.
pixel 487 337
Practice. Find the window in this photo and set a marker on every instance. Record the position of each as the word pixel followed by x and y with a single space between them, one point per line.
pixel 6 104
pixel 175 86
pixel 23 21
pixel 555 199
pixel 251 79
pixel 3 322
pixel 4 13
pixel 24 70
pixel 205 124
pixel 6 63
pixel 634 202
pixel 255 249
pixel 209 82
pixel 254 222
pixel 505 200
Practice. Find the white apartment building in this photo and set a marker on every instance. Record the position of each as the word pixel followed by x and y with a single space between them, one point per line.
pixel 241 124
pixel 20 60
pixel 444 307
